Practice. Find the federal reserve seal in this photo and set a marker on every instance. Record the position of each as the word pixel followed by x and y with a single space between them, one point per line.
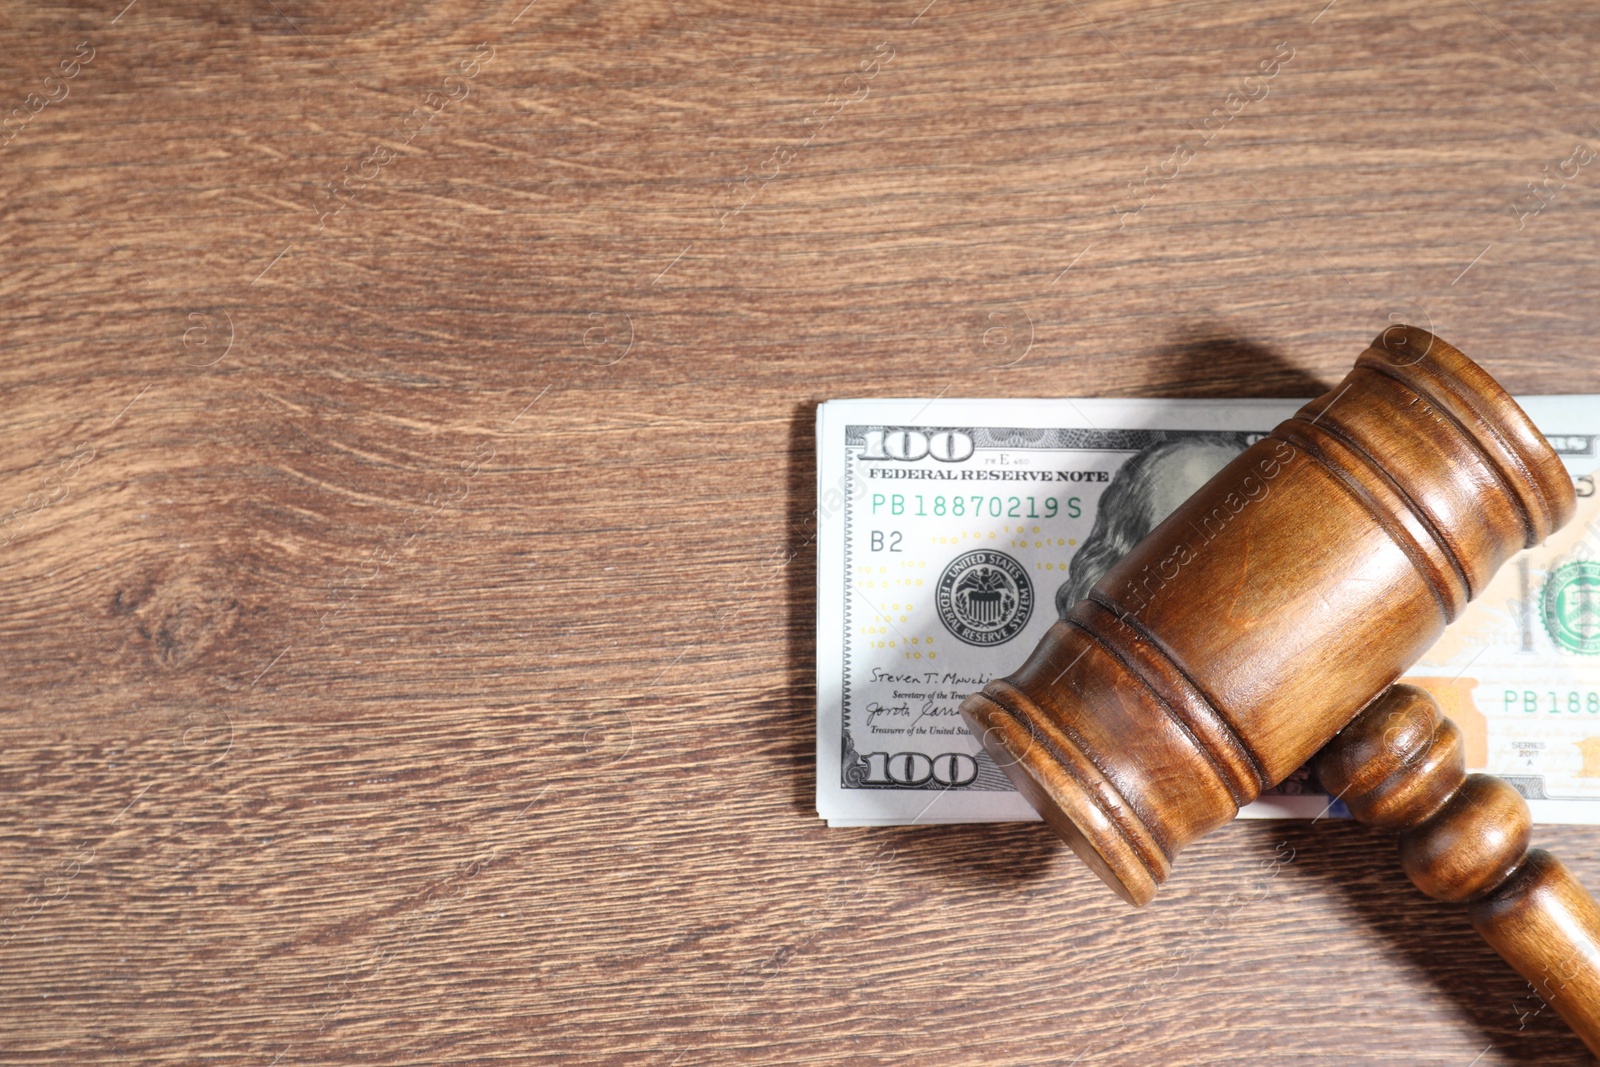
pixel 1571 606
pixel 985 597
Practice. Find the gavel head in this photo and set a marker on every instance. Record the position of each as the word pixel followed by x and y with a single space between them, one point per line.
pixel 1259 617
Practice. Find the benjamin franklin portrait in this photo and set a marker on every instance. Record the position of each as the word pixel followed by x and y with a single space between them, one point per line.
pixel 1145 490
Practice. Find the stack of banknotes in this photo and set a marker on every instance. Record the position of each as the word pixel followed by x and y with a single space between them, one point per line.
pixel 952 533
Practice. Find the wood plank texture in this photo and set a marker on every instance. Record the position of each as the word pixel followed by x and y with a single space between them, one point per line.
pixel 406 591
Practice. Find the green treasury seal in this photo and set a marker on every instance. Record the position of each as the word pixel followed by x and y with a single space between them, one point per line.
pixel 1571 606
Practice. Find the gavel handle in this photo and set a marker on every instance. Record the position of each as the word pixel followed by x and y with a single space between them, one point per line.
pixel 1465 838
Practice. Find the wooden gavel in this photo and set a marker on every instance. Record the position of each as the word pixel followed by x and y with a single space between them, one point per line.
pixel 1271 614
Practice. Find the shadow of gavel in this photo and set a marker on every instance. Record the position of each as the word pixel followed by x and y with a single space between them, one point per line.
pixel 1268 618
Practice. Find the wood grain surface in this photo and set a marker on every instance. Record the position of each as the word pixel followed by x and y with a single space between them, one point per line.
pixel 407 575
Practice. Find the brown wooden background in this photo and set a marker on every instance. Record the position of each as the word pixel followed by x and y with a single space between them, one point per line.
pixel 407 612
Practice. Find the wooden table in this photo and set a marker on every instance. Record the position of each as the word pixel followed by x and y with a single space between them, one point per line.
pixel 407 583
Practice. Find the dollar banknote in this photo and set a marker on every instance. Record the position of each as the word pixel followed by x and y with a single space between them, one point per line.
pixel 952 533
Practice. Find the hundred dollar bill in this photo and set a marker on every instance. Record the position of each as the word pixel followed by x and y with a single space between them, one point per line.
pixel 952 533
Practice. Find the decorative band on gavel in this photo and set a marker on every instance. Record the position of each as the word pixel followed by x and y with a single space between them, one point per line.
pixel 1258 619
